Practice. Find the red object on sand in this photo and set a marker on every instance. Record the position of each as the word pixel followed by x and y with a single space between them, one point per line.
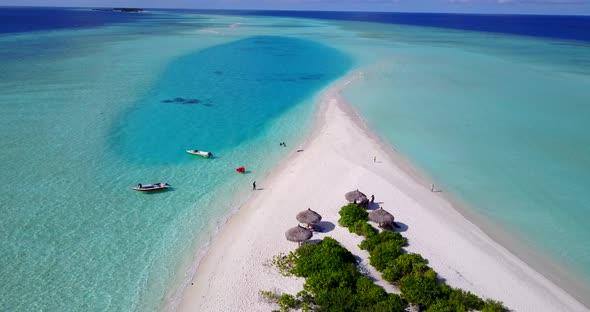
pixel 241 169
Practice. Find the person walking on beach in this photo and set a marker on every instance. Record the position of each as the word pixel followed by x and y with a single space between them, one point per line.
pixel 254 186
pixel 432 187
pixel 374 159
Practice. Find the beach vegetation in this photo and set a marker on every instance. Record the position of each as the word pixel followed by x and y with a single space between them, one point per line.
pixel 362 228
pixel 493 306
pixel 418 283
pixel 373 241
pixel 287 302
pixel 385 254
pixel 403 265
pixel 350 214
pixel 421 289
pixel 333 282
pixel 284 263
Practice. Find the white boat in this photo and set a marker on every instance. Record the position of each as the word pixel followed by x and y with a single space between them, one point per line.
pixel 152 187
pixel 200 153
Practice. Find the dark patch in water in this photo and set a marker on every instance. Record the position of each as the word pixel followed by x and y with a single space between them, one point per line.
pixel 311 77
pixel 182 101
pixel 218 72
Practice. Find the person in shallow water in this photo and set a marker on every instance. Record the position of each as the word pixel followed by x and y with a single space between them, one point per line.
pixel 254 185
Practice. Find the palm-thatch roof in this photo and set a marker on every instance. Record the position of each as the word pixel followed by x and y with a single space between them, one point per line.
pixel 298 234
pixel 357 196
pixel 309 217
pixel 381 216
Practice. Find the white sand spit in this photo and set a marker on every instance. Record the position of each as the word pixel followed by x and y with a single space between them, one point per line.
pixel 338 158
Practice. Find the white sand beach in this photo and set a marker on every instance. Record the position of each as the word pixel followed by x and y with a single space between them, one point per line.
pixel 337 158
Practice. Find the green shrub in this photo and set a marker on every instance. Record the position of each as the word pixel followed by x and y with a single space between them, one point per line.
pixel 343 277
pixel 328 255
pixel 338 299
pixel 284 263
pixel 465 299
pixel 393 303
pixel 368 293
pixel 333 282
pixel 307 300
pixel 446 306
pixel 493 306
pixel 384 236
pixel 269 296
pixel 405 265
pixel 350 214
pixel 287 301
pixel 420 289
pixel 363 228
pixel 384 255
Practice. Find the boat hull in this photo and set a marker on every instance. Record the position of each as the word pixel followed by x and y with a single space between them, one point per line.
pixel 200 154
pixel 152 188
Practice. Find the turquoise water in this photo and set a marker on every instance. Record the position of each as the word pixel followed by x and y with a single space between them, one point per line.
pixel 498 121
pixel 82 121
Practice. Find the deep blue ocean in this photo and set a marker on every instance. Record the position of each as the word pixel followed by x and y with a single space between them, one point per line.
pixel 547 26
pixel 94 95
pixel 22 19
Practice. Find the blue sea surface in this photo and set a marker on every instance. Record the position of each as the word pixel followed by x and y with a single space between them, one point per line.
pixel 221 96
pixel 85 114
pixel 23 19
pixel 92 103
pixel 547 26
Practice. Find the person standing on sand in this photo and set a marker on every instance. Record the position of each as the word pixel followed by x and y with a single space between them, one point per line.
pixel 374 159
pixel 254 186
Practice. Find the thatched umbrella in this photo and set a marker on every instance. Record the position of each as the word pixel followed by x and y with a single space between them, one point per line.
pixel 357 197
pixel 309 217
pixel 381 216
pixel 298 234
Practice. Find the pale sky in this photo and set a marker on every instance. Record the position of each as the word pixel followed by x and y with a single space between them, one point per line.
pixel 579 7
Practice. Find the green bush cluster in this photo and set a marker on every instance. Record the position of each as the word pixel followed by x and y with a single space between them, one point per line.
pixel 334 282
pixel 351 214
pixel 418 283
pixel 362 228
pixel 287 302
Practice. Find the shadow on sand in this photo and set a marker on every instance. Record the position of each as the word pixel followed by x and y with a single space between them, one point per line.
pixel 324 226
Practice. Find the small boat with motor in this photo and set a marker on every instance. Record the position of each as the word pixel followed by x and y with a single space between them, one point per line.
pixel 200 153
pixel 152 187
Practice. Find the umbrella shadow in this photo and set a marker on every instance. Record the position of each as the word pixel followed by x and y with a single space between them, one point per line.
pixel 324 226
pixel 374 206
pixel 312 241
pixel 395 227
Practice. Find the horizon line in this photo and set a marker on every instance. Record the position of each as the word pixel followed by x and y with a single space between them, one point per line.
pixel 298 10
